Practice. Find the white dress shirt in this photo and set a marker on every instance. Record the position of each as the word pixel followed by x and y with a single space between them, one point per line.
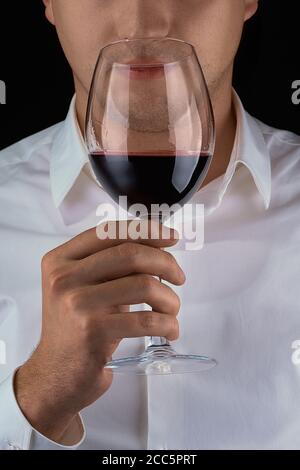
pixel 240 303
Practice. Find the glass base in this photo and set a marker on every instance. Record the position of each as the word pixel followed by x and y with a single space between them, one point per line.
pixel 161 360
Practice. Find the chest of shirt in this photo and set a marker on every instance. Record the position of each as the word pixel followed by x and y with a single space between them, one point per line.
pixel 239 305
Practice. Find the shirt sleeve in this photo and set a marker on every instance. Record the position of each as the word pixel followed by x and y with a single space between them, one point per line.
pixel 16 433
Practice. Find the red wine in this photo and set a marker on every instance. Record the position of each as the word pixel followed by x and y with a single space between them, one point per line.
pixel 151 178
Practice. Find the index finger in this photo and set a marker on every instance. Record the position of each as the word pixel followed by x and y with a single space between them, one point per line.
pixel 149 232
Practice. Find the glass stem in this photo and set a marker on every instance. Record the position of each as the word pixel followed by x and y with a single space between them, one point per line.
pixel 157 341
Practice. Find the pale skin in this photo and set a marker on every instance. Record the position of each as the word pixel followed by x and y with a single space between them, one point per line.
pixel 88 283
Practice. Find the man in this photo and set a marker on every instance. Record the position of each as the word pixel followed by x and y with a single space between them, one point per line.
pixel 240 298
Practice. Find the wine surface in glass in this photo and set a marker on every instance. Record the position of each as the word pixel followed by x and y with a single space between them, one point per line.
pixel 151 178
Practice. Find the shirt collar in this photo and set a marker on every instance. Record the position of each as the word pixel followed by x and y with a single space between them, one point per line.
pixel 69 157
pixel 251 150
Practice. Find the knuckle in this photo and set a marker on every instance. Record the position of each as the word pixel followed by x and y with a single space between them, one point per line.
pixel 171 260
pixel 174 330
pixel 91 328
pixel 74 301
pixel 130 251
pixel 176 303
pixel 59 278
pixel 169 257
pixel 85 326
pixel 170 300
pixel 147 284
pixel 47 261
pixel 172 263
pixel 148 321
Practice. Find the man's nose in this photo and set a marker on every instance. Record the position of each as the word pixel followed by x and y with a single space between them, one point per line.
pixel 142 18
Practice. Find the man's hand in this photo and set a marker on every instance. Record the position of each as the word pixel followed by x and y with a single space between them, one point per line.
pixel 88 285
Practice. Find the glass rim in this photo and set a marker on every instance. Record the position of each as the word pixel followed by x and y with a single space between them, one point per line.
pixel 150 38
pixel 87 123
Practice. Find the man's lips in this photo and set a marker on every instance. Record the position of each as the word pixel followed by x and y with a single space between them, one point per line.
pixel 148 72
pixel 145 70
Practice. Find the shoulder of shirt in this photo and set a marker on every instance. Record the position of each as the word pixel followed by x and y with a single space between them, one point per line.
pixel 23 150
pixel 283 147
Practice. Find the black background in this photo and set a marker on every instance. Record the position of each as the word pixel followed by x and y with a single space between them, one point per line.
pixel 39 82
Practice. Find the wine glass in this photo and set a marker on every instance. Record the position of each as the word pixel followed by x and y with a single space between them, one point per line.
pixel 150 136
